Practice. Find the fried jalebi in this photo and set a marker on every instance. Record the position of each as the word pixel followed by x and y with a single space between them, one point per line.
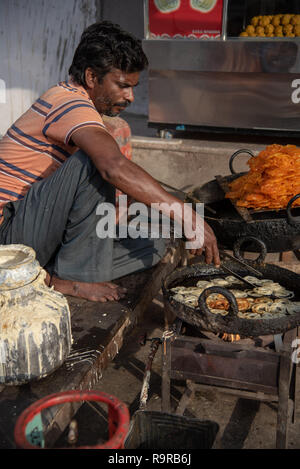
pixel 273 179
pixel 243 304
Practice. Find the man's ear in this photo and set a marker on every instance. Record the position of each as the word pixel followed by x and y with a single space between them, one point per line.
pixel 90 78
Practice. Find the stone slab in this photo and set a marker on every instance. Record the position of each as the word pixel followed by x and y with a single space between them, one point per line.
pixel 186 164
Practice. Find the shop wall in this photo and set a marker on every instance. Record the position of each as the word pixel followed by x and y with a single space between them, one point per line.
pixel 130 15
pixel 37 43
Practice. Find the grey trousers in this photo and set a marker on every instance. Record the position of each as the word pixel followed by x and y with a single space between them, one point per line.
pixel 57 218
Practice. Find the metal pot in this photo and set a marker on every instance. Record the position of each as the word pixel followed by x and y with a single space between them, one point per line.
pixel 203 319
pixel 279 230
pixel 35 320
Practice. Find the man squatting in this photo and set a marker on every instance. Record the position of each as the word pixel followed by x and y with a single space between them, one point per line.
pixel 58 162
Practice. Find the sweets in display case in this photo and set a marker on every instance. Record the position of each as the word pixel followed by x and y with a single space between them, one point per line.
pixel 273 26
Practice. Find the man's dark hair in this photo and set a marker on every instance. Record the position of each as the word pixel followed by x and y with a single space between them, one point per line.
pixel 104 46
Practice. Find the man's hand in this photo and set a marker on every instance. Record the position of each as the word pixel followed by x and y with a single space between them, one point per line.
pixel 209 247
pixel 199 233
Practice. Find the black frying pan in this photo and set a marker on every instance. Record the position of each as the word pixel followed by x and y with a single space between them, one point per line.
pixel 279 230
pixel 203 319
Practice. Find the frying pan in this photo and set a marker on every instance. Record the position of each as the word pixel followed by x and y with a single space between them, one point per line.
pixel 279 230
pixel 203 319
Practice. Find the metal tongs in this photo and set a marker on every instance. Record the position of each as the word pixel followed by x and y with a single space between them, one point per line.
pixel 244 264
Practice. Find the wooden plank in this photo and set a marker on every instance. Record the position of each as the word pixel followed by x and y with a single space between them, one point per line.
pixel 257 396
pixel 186 397
pixel 242 211
pixel 260 341
pixel 229 349
pixel 222 382
pixel 294 390
pixel 239 366
pixel 285 373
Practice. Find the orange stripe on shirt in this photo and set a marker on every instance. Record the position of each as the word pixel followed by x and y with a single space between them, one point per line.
pixel 27 154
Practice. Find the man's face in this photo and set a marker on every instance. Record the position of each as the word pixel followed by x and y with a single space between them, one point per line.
pixel 115 92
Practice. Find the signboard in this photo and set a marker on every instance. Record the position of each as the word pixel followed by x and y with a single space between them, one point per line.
pixel 197 19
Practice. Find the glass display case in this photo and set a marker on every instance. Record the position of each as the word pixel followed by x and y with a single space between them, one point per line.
pixel 224 65
pixel 263 18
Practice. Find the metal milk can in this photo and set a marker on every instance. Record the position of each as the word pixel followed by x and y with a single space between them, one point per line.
pixel 35 325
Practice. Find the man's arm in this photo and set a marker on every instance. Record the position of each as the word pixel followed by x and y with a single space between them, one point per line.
pixel 131 179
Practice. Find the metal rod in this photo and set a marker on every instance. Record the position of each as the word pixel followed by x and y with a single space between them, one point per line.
pixel 244 264
pixel 146 19
pixel 224 20
pixel 209 209
pixel 145 386
pixel 238 276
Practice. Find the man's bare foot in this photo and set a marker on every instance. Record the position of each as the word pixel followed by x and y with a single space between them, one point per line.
pixel 94 291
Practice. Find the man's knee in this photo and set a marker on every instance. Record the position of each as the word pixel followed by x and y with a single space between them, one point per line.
pixel 82 159
pixel 160 247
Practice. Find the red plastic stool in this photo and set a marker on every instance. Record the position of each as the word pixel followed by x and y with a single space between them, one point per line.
pixel 118 417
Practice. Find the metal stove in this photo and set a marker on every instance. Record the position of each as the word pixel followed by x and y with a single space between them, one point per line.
pixel 262 369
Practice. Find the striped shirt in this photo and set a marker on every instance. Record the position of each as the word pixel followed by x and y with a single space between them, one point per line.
pixel 39 141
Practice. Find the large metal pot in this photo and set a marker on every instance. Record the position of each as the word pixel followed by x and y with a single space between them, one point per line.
pixel 35 322
pixel 203 319
pixel 280 230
